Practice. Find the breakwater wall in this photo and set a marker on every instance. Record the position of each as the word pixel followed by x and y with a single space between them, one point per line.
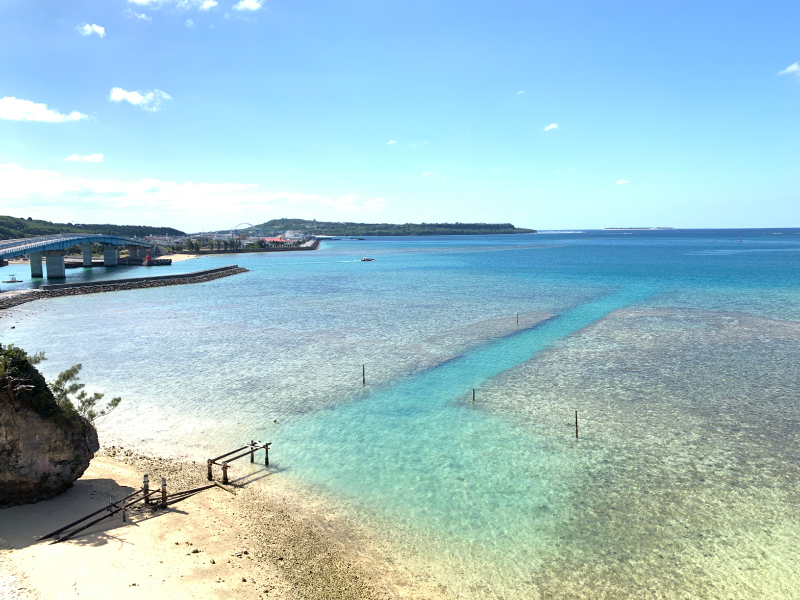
pixel 117 285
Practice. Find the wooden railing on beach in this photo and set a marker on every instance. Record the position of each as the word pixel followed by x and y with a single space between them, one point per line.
pixel 249 449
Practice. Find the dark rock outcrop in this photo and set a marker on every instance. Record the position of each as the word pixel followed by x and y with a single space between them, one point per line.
pixel 43 449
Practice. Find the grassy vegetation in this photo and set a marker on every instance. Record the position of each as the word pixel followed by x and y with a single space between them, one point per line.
pixel 368 229
pixel 13 228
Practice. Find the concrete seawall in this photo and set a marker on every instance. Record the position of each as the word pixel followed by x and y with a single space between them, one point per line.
pixel 97 287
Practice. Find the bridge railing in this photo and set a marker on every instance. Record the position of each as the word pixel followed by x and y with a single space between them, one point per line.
pixel 19 247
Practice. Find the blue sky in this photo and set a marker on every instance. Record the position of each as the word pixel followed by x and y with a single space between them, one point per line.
pixel 201 114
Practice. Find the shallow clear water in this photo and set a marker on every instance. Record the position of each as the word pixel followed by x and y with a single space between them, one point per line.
pixel 679 349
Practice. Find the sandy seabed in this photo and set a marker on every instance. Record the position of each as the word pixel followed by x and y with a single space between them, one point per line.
pixel 261 541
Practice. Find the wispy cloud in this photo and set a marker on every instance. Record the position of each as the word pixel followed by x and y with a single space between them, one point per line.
pixel 91 158
pixel 41 193
pixel 149 101
pixel 428 173
pixel 391 142
pixel 130 14
pixel 551 127
pixel 622 181
pixel 519 93
pixel 87 29
pixel 793 69
pixel 189 23
pixel 184 4
pixel 247 5
pixel 17 109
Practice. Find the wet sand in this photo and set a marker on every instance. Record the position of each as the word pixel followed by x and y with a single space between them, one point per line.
pixel 260 542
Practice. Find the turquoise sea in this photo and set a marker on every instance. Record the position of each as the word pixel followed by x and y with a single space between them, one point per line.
pixel 680 350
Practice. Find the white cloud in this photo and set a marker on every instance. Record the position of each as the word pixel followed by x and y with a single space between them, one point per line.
pixel 427 173
pixel 519 93
pixel 149 101
pixel 92 158
pixel 247 5
pixel 42 193
pixel 622 181
pixel 794 68
pixel 551 126
pixel 16 109
pixel 189 23
pixel 392 142
pixel 184 4
pixel 87 29
pixel 129 14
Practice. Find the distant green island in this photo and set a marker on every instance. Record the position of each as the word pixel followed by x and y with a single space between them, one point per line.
pixel 12 228
pixel 348 229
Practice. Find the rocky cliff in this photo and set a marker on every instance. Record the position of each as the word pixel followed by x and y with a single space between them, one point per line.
pixel 43 449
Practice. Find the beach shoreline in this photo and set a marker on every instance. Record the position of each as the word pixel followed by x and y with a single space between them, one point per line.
pixel 261 541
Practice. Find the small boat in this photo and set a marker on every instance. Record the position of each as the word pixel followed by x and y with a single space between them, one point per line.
pixel 13 279
pixel 367 259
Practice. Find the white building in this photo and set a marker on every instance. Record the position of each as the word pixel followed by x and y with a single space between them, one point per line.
pixel 295 236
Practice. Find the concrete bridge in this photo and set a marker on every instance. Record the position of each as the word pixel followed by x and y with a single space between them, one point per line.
pixel 54 247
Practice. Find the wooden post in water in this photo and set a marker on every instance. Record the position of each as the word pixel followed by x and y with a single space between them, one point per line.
pixel 146 489
pixel 266 455
pixel 252 450
pixel 225 472
pixel 517 318
pixel 210 474
pixel 163 492
pixel 576 424
pixel 473 395
pixel 363 375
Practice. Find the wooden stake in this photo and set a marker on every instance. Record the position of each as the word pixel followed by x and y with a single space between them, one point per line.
pixel 145 489
pixel 363 374
pixel 224 472
pixel 123 511
pixel 576 424
pixel 266 455
pixel 252 450
pixel 210 474
pixel 517 318
pixel 473 395
pixel 163 492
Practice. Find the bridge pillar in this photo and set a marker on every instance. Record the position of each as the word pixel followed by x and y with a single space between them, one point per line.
pixel 36 265
pixel 87 254
pixel 133 251
pixel 110 256
pixel 54 259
